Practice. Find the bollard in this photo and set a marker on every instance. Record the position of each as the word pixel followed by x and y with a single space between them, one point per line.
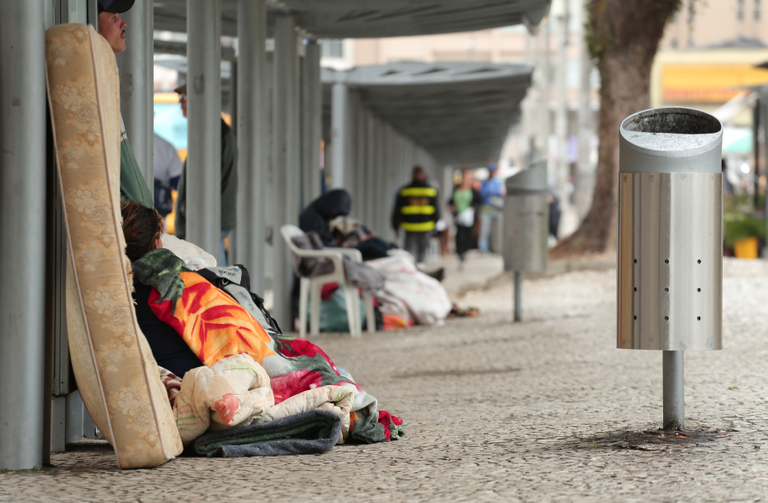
pixel 670 241
pixel 526 224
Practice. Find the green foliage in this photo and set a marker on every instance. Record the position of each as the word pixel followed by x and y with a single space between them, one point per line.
pixel 739 225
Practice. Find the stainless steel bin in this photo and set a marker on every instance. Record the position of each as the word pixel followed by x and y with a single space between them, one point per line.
pixel 670 231
pixel 526 220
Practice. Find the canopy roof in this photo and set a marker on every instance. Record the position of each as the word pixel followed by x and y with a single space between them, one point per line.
pixel 457 111
pixel 374 18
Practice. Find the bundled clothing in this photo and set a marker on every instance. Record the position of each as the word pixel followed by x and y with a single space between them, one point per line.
pixel 351 233
pixel 216 324
pixel 358 274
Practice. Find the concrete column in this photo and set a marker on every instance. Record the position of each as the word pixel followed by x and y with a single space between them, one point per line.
pixel 137 85
pixel 370 169
pixel 251 138
pixel 285 150
pixel 340 133
pixel 203 177
pixel 387 178
pixel 22 232
pixel 360 145
pixel 312 123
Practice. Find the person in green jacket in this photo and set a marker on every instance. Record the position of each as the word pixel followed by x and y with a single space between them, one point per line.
pixel 228 184
pixel 133 187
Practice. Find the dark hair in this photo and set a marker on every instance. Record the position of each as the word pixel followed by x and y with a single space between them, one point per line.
pixel 141 227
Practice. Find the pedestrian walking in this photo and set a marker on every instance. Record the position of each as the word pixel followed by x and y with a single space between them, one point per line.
pixel 416 212
pixel 492 192
pixel 464 204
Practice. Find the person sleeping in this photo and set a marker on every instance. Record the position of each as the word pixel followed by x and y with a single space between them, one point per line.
pixel 176 304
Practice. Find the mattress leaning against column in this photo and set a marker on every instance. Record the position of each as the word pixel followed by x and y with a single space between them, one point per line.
pixel 114 367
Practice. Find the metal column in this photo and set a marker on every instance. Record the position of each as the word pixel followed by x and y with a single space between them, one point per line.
pixel 674 384
pixel 203 176
pixel 339 133
pixel 284 150
pixel 22 232
pixel 137 85
pixel 251 138
pixel 312 123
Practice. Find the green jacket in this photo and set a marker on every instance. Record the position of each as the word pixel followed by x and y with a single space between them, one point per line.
pixel 133 187
pixel 228 187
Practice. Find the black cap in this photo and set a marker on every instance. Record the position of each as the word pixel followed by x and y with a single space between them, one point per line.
pixel 116 6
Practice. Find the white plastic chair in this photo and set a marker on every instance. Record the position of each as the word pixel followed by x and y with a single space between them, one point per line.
pixel 335 255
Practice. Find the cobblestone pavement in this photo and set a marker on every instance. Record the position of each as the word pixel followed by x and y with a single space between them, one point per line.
pixel 543 410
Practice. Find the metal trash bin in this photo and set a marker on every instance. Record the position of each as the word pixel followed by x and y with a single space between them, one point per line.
pixel 526 225
pixel 526 220
pixel 670 240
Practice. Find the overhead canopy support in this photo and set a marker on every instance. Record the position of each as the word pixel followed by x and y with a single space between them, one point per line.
pixel 285 161
pixel 137 85
pixel 252 138
pixel 312 126
pixel 22 232
pixel 203 171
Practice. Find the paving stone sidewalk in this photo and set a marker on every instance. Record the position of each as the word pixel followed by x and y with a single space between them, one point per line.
pixel 543 410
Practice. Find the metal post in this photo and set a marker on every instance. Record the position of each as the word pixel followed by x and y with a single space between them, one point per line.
pixel 518 296
pixel 674 385
pixel 339 132
pixel 285 85
pixel 312 97
pixel 561 115
pixel 251 138
pixel 22 232
pixel 584 178
pixel 137 85
pixel 203 176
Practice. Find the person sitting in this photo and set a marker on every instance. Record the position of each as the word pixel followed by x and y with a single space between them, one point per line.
pixel 142 227
pixel 319 213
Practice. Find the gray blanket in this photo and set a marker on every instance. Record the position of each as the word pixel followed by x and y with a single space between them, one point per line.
pixel 312 432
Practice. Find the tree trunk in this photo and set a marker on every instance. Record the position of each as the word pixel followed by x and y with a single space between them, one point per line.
pixel 624 37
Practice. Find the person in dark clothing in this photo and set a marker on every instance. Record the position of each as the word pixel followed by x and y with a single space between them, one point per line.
pixel 554 213
pixel 318 215
pixel 465 206
pixel 228 184
pixel 143 227
pixel 416 211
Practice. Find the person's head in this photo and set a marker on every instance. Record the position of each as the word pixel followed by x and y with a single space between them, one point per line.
pixel 332 204
pixel 182 90
pixel 467 179
pixel 142 228
pixel 493 169
pixel 111 25
pixel 418 174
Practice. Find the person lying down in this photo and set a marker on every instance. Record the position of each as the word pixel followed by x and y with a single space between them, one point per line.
pixel 238 368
